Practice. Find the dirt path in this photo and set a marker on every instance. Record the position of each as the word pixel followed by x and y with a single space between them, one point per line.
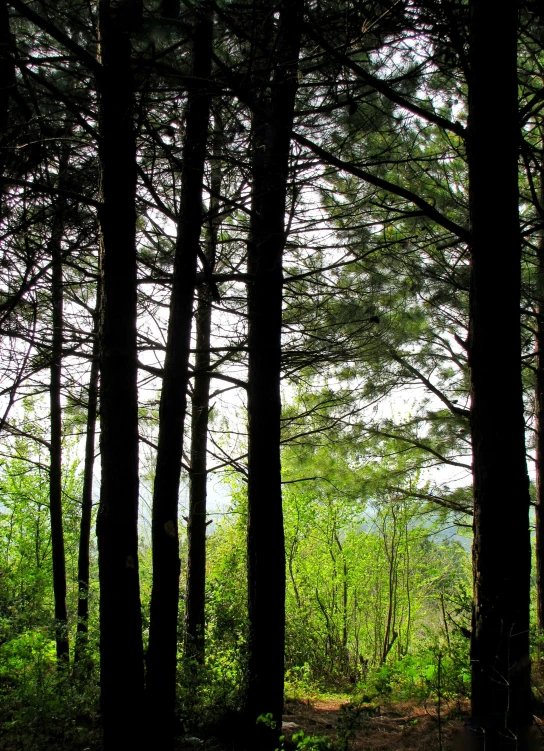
pixel 378 727
pixel 404 726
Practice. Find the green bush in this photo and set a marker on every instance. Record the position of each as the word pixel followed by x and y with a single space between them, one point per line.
pixel 416 675
pixel 303 742
pixel 44 706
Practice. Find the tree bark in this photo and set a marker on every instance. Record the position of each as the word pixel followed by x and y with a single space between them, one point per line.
pixel 501 694
pixel 55 452
pixel 161 657
pixel 539 419
pixel 7 77
pixel 121 648
pixel 196 527
pixel 270 149
pixel 83 564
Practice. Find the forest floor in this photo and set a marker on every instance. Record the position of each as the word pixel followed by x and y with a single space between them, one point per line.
pixel 395 726
pixel 384 727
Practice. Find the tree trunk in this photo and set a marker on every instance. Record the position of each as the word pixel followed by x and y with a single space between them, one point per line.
pixel 196 527
pixel 7 77
pixel 271 129
pixel 501 694
pixel 55 467
pixel 83 563
pixel 161 657
pixel 121 648
pixel 539 419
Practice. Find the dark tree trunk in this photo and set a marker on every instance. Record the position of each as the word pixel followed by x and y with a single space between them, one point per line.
pixel 271 129
pixel 121 649
pixel 196 527
pixel 7 80
pixel 501 694
pixel 539 448
pixel 55 467
pixel 539 421
pixel 161 657
pixel 83 563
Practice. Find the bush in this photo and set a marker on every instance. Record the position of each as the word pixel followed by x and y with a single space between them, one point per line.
pixel 416 676
pixel 43 706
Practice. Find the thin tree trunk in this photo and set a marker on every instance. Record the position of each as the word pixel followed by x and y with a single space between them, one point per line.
pixel 345 654
pixel 391 555
pixel 83 564
pixel 196 527
pixel 408 596
pixel 121 647
pixel 161 656
pixel 265 540
pixel 55 467
pixel 501 693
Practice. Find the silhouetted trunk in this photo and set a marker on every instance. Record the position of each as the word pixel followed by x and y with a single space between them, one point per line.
pixel 270 149
pixel 501 694
pixel 539 420
pixel 196 527
pixel 121 649
pixel 55 451
pixel 83 563
pixel 7 79
pixel 161 656
pixel 8 83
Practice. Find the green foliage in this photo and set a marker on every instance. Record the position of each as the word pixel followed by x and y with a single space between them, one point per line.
pixel 302 742
pixel 369 575
pixel 375 589
pixel 26 594
pixel 267 720
pixel 298 683
pixel 43 707
pixel 416 675
pixel 207 692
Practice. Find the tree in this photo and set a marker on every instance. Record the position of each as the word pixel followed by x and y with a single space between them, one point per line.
pixel 161 656
pixel 121 648
pixel 501 694
pixel 83 565
pixel 55 450
pixel 198 478
pixel 270 148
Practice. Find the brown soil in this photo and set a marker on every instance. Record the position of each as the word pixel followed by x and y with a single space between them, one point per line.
pixel 387 728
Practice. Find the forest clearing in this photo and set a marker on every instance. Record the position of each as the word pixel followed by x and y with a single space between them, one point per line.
pixel 271 375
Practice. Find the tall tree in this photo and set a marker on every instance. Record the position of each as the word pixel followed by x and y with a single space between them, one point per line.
pixel 501 693
pixel 161 656
pixel 539 416
pixel 83 562
pixel 7 76
pixel 55 446
pixel 277 42
pixel 198 477
pixel 121 648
